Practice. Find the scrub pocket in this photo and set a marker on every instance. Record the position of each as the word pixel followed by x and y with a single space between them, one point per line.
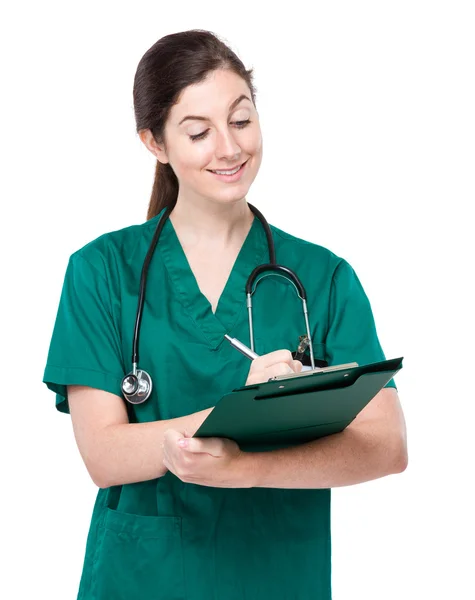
pixel 138 557
pixel 271 343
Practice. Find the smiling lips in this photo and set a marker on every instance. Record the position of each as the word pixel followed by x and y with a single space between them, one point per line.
pixel 227 171
pixel 232 177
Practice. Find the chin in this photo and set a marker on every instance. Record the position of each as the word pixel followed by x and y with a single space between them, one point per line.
pixel 234 199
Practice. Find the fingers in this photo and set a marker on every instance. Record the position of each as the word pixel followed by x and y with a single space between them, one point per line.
pixel 279 362
pixel 297 366
pixel 280 359
pixel 275 357
pixel 214 446
pixel 172 435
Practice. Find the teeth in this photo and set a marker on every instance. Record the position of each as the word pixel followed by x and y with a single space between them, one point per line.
pixel 228 172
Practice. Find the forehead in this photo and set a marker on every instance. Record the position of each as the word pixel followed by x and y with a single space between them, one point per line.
pixel 212 97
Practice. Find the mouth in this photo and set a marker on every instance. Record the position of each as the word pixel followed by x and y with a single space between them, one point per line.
pixel 229 175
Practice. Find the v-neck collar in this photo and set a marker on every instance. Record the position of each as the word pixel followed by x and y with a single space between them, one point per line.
pixel 232 301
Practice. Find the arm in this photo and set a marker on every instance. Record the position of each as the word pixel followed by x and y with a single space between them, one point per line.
pixel 372 446
pixel 115 451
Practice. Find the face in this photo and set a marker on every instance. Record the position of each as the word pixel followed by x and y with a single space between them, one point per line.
pixel 214 126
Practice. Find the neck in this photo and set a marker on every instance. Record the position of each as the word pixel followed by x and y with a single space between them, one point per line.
pixel 214 223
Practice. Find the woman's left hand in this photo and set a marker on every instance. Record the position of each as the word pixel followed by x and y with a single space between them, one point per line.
pixel 213 462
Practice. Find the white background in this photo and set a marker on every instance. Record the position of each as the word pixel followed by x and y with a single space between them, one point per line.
pixel 367 113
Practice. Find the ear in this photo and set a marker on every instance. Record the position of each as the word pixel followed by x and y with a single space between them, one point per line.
pixel 156 149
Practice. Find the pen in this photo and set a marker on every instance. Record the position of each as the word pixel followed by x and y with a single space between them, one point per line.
pixel 241 347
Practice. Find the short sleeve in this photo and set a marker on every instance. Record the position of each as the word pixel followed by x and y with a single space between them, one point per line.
pixel 352 335
pixel 85 346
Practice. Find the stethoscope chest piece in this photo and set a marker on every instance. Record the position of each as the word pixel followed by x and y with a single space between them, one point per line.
pixel 137 388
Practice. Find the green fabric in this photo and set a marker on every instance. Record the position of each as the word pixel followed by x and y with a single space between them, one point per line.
pixel 168 539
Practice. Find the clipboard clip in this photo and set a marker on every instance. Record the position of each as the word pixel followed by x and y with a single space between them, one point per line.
pixel 313 371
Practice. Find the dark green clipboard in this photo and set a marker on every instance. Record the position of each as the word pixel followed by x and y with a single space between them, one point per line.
pixel 282 413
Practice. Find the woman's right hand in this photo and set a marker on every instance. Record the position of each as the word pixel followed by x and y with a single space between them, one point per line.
pixel 279 362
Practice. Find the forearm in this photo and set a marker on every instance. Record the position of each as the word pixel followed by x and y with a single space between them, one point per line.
pixel 132 452
pixel 357 454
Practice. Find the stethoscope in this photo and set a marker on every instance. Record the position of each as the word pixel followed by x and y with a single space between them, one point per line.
pixel 137 385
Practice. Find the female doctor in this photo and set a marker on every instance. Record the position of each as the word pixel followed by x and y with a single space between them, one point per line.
pixel 200 519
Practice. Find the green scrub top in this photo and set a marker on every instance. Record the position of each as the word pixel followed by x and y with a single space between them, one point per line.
pixel 163 538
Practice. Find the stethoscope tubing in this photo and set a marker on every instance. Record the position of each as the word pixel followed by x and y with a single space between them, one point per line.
pixel 137 385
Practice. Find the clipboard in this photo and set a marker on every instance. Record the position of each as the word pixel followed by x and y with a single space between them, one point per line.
pixel 286 412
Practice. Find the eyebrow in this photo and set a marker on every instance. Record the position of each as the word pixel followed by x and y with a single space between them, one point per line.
pixel 233 105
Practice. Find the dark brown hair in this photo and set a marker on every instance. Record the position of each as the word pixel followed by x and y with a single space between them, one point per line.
pixel 164 71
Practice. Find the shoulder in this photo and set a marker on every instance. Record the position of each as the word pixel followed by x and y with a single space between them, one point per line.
pixel 114 247
pixel 310 254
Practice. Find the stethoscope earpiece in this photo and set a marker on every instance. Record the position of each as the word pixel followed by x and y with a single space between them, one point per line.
pixel 137 388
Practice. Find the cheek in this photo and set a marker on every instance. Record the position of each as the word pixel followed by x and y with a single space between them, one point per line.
pixel 191 160
pixel 255 150
pixel 253 144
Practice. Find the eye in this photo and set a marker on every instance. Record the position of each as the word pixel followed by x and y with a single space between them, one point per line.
pixel 201 136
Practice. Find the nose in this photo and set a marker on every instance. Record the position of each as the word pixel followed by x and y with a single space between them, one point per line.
pixel 226 146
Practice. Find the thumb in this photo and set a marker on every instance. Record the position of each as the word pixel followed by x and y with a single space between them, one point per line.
pixel 212 445
pixel 297 366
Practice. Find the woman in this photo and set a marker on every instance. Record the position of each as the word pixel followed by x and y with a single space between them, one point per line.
pixel 206 520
